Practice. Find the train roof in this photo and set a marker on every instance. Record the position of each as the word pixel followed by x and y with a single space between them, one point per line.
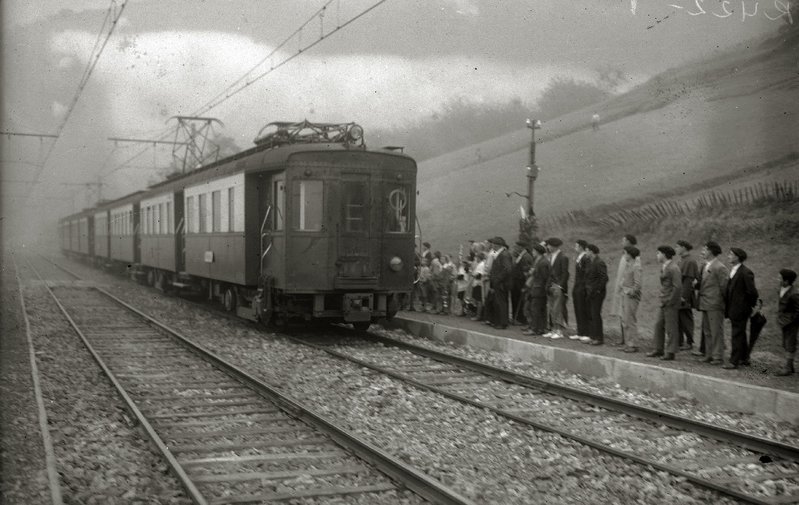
pixel 272 149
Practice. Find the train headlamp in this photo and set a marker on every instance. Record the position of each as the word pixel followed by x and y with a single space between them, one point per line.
pixel 356 132
pixel 395 263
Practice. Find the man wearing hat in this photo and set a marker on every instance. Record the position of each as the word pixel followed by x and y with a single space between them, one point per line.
pixel 596 280
pixel 536 307
pixel 690 273
pixel 788 318
pixel 500 278
pixel 712 289
pixel 522 262
pixel 557 287
pixel 740 299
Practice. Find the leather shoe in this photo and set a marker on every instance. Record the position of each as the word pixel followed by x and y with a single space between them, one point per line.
pixel 667 357
pixel 729 366
pixel 654 354
pixel 716 362
pixel 697 353
pixel 595 342
pixel 685 347
pixel 630 349
pixel 745 363
pixel 706 360
pixel 503 327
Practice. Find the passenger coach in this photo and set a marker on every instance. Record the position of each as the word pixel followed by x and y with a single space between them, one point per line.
pixel 308 224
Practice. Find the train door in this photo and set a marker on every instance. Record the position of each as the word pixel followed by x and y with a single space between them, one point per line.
pixel 355 258
pixel 272 226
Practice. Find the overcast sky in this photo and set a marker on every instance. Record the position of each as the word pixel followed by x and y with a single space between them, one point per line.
pixel 397 64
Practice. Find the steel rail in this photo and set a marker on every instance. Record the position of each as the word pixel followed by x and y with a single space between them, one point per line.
pixel 745 440
pixel 192 491
pixel 699 481
pixel 412 478
pixel 53 480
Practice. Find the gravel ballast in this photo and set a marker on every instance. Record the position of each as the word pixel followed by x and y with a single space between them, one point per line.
pixel 487 458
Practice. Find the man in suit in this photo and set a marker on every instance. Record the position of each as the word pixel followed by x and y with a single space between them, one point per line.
pixel 740 299
pixel 596 280
pixel 500 278
pixel 581 312
pixel 631 290
pixel 522 262
pixel 670 285
pixel 712 288
pixel 788 318
pixel 538 277
pixel 557 288
pixel 690 273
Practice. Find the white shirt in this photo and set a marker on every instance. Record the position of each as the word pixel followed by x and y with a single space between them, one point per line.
pixel 733 270
pixel 553 256
pixel 784 290
pixel 580 256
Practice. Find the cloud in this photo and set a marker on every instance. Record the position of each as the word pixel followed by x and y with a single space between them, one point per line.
pixel 58 109
pixel 151 76
pixel 465 7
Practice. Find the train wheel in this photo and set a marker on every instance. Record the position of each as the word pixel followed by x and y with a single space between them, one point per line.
pixel 361 325
pixel 160 281
pixel 230 299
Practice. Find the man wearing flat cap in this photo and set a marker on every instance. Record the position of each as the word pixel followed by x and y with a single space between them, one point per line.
pixel 739 300
pixel 522 262
pixel 557 288
pixel 500 278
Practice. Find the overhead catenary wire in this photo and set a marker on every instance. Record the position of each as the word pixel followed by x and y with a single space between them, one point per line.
pixel 90 66
pixel 224 96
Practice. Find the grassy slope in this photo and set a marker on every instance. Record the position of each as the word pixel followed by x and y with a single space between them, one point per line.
pixel 683 128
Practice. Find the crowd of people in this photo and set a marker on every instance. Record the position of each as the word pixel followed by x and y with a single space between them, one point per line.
pixel 528 285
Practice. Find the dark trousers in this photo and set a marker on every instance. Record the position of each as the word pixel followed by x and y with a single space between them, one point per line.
pixel 739 352
pixel 538 315
pixel 686 326
pixel 666 337
pixel 500 309
pixel 595 301
pixel 517 302
pixel 581 311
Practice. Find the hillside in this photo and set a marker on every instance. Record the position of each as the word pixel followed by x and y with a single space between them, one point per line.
pixel 699 123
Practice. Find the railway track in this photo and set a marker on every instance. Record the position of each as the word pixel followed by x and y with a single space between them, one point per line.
pixel 730 462
pixel 228 437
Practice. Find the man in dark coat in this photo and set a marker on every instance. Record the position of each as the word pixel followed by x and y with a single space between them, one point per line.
pixel 788 318
pixel 689 269
pixel 557 288
pixel 522 262
pixel 596 280
pixel 581 312
pixel 500 278
pixel 537 292
pixel 739 300
pixel 666 337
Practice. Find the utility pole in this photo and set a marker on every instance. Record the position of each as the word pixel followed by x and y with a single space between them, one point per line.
pixel 532 168
pixel 193 133
pixel 528 225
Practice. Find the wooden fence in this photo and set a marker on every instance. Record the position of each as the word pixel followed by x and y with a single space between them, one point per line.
pixel 760 192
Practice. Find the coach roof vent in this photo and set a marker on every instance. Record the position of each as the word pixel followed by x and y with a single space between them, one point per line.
pixel 282 133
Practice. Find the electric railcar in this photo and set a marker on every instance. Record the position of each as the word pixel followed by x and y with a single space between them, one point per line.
pixel 307 224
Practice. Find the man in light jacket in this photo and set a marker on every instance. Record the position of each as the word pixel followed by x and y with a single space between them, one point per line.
pixel 712 287
pixel 667 322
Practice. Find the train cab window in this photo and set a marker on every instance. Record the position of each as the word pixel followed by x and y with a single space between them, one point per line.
pixel 307 201
pixel 280 204
pixel 397 208
pixel 355 210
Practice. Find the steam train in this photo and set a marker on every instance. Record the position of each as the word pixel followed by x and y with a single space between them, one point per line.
pixel 307 224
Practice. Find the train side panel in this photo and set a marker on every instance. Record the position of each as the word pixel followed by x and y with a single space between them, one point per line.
pixel 124 221
pixel 157 232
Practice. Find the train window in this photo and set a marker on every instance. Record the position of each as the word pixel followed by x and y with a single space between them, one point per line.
pixel 168 218
pixel 355 210
pixel 306 208
pixel 231 210
pixel 161 219
pixel 397 208
pixel 280 204
pixel 216 211
pixel 190 214
pixel 202 213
